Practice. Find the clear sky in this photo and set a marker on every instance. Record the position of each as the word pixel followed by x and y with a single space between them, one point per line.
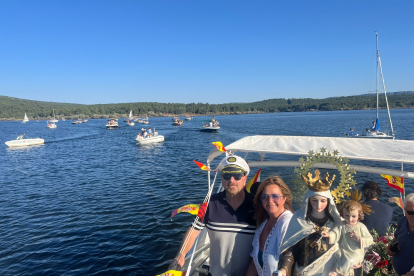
pixel 215 51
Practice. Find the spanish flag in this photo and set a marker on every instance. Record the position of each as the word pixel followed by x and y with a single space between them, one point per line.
pixel 194 209
pixel 219 146
pixel 397 200
pixel 395 182
pixel 201 165
pixel 173 273
pixel 254 179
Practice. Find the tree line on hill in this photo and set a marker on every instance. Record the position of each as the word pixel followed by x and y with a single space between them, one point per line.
pixel 14 108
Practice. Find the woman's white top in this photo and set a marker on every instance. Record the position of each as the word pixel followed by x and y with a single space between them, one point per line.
pixel 272 245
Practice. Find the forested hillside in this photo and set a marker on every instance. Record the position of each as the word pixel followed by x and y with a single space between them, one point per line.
pixel 14 108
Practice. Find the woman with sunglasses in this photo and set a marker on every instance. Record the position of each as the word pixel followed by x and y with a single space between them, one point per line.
pixel 273 211
pixel 304 251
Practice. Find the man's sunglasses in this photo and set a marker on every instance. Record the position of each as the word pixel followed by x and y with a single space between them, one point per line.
pixel 236 176
pixel 410 213
pixel 275 197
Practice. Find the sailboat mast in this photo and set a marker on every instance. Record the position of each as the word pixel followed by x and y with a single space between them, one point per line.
pixel 385 92
pixel 377 75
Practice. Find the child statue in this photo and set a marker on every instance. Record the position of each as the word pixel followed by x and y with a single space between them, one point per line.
pixel 352 237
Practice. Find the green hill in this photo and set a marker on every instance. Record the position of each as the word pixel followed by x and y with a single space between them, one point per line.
pixel 14 108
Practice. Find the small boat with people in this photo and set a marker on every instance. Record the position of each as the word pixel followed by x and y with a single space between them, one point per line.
pixel 85 120
pixel 210 125
pixel 20 141
pixel 327 153
pixel 130 123
pixel 374 132
pixel 188 118
pixel 112 124
pixel 177 121
pixel 145 137
pixel 50 124
pixel 25 119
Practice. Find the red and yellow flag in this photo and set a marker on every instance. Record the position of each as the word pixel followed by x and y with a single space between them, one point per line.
pixel 201 165
pixel 194 209
pixel 173 273
pixel 219 146
pixel 395 182
pixel 254 179
pixel 397 200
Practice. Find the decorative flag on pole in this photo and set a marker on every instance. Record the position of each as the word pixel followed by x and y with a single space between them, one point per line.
pixel 397 200
pixel 194 209
pixel 219 146
pixel 395 182
pixel 201 165
pixel 173 273
pixel 254 179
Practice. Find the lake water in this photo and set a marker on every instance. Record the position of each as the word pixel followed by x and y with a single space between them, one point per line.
pixel 91 202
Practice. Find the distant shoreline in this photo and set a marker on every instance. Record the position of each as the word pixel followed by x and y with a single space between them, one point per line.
pixel 105 116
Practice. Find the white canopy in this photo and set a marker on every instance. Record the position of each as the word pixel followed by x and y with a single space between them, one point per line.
pixel 383 150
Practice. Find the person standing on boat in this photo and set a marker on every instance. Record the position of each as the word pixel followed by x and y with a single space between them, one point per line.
pixel 304 251
pixel 149 133
pixel 380 219
pixel 273 211
pixel 230 223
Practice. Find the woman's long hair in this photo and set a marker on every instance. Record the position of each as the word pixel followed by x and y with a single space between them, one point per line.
pixel 260 213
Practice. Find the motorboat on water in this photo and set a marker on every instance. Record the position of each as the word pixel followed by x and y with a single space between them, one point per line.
pixel 112 124
pixel 85 120
pixel 155 138
pixel 50 124
pixel 76 122
pixel 374 132
pixel 20 141
pixel 188 118
pixel 130 123
pixel 177 121
pixel 210 125
pixel 25 119
pixel 274 151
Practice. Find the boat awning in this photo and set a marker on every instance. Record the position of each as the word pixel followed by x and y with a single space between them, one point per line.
pixel 383 150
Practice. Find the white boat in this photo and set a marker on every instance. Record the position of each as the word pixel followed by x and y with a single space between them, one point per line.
pixel 188 118
pixel 155 138
pixel 63 119
pixel 21 142
pixel 375 132
pixel 26 119
pixel 130 115
pixel 85 120
pixel 274 150
pixel 210 125
pixel 177 121
pixel 130 123
pixel 112 124
pixel 50 124
pixel 54 120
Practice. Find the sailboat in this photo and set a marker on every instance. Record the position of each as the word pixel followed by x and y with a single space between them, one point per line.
pixel 26 119
pixel 54 118
pixel 375 131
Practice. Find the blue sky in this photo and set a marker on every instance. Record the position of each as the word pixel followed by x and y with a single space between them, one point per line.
pixel 215 51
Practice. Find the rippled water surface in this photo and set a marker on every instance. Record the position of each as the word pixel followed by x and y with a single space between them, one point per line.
pixel 91 202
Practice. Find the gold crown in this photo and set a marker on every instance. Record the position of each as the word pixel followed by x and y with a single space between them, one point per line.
pixel 316 184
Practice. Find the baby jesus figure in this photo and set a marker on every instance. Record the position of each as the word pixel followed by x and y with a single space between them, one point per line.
pixel 352 237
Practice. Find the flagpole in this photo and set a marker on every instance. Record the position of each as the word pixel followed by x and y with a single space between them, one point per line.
pixel 402 169
pixel 196 241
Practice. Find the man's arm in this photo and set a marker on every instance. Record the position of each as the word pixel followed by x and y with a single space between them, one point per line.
pixel 178 262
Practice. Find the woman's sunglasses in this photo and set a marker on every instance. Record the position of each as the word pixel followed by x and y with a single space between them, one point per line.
pixel 410 213
pixel 236 176
pixel 275 197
